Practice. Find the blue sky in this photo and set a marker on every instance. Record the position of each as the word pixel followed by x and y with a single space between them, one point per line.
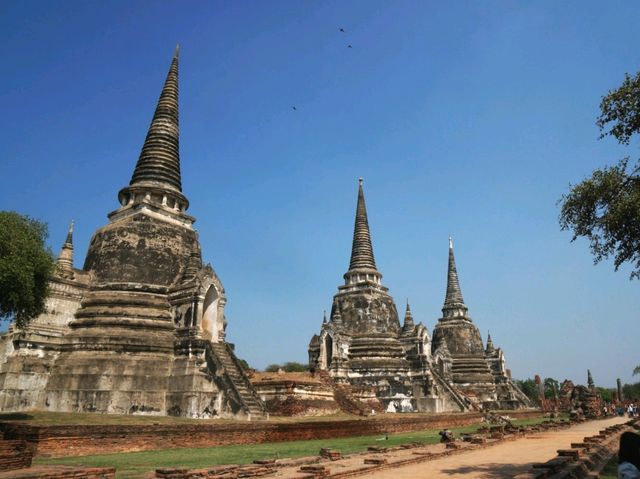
pixel 463 118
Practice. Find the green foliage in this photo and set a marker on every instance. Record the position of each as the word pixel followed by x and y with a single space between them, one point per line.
pixel 631 392
pixel 622 107
pixel 636 370
pixel 605 208
pixel 605 394
pixel 288 367
pixel 529 388
pixel 26 265
pixel 549 383
pixel 244 364
pixel 293 367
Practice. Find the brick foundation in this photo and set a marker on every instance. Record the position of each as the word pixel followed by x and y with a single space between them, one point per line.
pixel 61 472
pixel 78 440
pixel 15 454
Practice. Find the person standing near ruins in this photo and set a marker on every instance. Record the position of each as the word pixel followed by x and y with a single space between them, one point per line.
pixel 629 456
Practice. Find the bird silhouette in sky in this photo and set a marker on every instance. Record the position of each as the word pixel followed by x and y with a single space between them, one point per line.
pixel 294 108
pixel 349 46
pixel 342 30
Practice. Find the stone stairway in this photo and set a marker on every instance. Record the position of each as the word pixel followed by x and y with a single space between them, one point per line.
pixel 444 385
pixel 245 392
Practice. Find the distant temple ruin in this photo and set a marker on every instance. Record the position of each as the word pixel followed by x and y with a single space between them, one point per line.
pixel 140 329
pixel 364 344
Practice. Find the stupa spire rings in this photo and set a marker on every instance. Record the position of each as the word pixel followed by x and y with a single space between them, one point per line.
pixel 408 317
pixel 362 265
pixel 156 179
pixel 64 267
pixel 159 159
pixel 490 347
pixel 454 306
pixel 69 240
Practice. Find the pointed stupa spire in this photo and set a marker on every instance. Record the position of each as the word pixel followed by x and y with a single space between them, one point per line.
pixel 65 259
pixel 490 348
pixel 408 317
pixel 362 263
pixel 453 302
pixel 69 240
pixel 159 160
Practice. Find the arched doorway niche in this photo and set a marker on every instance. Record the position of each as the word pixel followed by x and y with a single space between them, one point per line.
pixel 327 351
pixel 213 300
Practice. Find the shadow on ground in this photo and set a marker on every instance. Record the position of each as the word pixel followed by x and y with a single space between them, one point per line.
pixel 15 416
pixel 488 471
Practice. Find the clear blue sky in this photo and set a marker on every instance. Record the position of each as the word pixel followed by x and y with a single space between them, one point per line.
pixel 464 118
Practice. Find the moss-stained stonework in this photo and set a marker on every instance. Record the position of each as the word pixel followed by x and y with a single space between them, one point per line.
pixel 364 344
pixel 141 328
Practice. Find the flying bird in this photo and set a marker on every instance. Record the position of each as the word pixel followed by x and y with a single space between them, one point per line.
pixel 342 30
pixel 294 108
pixel 349 46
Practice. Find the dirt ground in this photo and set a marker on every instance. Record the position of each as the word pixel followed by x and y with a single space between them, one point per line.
pixel 502 461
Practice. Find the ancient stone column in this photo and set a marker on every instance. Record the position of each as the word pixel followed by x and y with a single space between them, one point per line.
pixel 619 384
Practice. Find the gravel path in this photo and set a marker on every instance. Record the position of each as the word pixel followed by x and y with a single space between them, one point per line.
pixel 501 461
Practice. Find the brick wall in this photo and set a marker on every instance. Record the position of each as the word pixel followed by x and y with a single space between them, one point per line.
pixel 15 454
pixel 57 441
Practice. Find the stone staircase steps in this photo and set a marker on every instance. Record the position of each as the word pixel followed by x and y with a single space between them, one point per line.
pixel 247 394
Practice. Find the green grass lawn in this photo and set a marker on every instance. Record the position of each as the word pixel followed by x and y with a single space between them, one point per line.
pixel 141 464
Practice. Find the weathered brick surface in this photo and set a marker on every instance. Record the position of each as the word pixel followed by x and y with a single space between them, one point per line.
pixel 79 440
pixel 15 455
pixel 61 472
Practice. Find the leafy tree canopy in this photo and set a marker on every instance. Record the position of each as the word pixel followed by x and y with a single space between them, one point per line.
pixel 605 208
pixel 244 364
pixel 529 388
pixel 622 108
pixel 293 367
pixel 606 394
pixel 631 392
pixel 549 384
pixel 26 265
pixel 288 367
